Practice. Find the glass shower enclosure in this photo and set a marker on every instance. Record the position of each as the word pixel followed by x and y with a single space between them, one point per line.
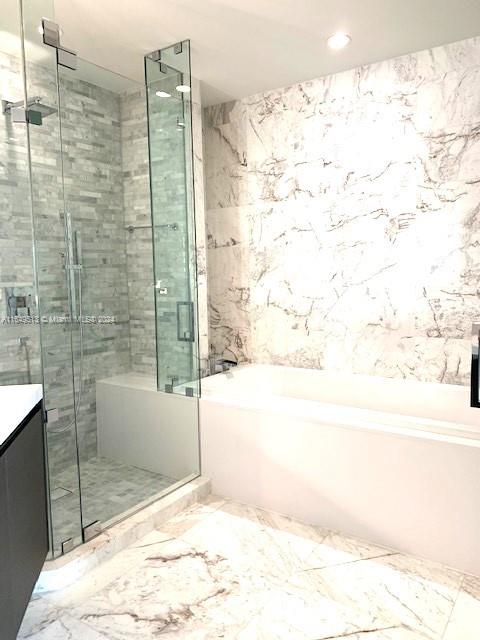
pixel 111 191
pixel 168 81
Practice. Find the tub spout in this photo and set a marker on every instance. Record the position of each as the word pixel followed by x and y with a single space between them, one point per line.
pixel 224 365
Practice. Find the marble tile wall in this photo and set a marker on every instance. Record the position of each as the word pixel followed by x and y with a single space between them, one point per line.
pixel 343 219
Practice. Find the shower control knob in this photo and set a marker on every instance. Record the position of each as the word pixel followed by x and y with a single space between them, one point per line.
pixel 162 291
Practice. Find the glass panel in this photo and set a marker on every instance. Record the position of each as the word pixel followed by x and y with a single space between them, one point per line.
pixel 124 427
pixel 170 138
pixel 53 290
pixel 114 443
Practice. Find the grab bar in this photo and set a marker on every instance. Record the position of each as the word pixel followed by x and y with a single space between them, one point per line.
pixel 131 227
pixel 475 373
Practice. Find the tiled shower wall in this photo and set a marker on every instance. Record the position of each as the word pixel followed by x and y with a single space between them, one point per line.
pixel 91 129
pixel 136 194
pixel 92 165
pixel 343 219
pixel 107 188
pixel 19 361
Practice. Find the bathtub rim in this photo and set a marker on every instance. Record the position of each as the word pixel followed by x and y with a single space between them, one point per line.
pixel 366 419
pixel 325 413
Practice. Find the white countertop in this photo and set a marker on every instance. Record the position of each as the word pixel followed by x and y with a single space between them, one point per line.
pixel 16 402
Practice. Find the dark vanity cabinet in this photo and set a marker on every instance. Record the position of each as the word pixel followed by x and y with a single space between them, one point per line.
pixel 23 519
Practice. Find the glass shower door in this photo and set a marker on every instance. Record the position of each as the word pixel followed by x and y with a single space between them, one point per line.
pixel 169 99
pixel 97 286
pixel 52 285
pixel 91 101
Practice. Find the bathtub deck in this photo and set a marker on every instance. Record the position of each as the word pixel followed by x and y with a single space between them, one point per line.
pixel 224 570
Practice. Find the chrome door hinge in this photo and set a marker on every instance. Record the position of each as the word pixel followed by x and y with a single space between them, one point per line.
pixel 51 33
pixel 92 530
pixel 67 545
pixel 51 415
pixel 51 37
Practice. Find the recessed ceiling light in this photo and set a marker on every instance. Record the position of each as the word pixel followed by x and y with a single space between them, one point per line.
pixel 339 40
pixel 183 88
pixel 163 94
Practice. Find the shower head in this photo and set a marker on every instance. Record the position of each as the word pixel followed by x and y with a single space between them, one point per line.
pixel 34 106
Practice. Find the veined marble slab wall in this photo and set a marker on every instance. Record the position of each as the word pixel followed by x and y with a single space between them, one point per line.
pixel 200 229
pixel 343 219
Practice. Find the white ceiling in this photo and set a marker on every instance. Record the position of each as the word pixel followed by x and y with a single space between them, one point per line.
pixel 240 47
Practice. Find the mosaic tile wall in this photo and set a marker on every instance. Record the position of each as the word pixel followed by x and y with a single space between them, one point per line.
pixel 343 219
pixel 19 344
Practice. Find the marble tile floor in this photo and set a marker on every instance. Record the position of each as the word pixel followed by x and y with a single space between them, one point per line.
pixel 224 570
pixel 109 488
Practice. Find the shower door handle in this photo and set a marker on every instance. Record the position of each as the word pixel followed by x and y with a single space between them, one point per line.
pixel 185 322
pixel 474 374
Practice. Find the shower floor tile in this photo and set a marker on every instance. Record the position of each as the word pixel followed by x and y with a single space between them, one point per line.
pixel 224 570
pixel 109 488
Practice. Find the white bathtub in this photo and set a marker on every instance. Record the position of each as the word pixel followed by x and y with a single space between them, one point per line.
pixel 392 461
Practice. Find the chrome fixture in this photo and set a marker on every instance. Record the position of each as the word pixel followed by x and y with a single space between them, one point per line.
pixel 67 545
pixel 224 365
pixel 51 37
pixel 174 381
pixel 34 113
pixel 131 227
pixel 50 32
pixel 92 530
pixel 185 322
pixel 156 55
pixel 74 266
pixel 162 291
pixel 20 301
pixel 51 415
